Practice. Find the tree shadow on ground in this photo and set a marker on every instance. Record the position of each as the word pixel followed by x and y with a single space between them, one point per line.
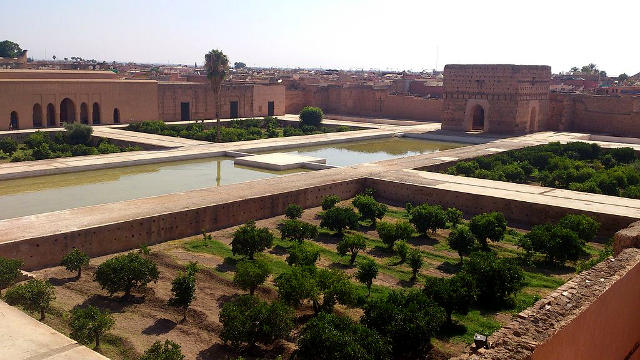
pixel 113 304
pixel 159 327
pixel 448 331
pixel 328 238
pixel 228 264
pixel 449 268
pixel 380 251
pixel 223 299
pixel 222 351
pixel 61 281
pixel 423 239
pixel 544 267
pixel 279 250
pixel 340 266
pixel 407 283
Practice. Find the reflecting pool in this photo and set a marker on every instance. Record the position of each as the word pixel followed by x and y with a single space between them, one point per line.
pixel 42 194
pixel 358 152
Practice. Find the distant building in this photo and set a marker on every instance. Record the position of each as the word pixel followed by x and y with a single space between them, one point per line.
pixel 509 99
pixel 48 98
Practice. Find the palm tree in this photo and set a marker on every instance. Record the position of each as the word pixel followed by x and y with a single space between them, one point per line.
pixel 217 67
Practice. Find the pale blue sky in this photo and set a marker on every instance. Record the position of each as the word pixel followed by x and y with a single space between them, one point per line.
pixel 348 34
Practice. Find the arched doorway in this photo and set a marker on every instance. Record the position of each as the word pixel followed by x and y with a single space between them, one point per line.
pixel 95 114
pixel 533 120
pixel 37 115
pixel 478 118
pixel 13 121
pixel 51 115
pixel 116 116
pixel 67 111
pixel 84 113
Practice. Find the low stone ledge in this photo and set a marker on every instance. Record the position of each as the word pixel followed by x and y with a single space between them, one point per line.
pixel 538 324
pixel 627 238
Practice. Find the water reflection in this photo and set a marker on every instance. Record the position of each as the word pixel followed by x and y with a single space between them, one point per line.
pixel 40 194
pixel 359 152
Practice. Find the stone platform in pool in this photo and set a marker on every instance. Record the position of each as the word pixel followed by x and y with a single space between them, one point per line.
pixel 278 161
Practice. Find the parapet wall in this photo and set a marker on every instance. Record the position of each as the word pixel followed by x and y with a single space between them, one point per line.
pixel 612 115
pixel 518 212
pixel 40 252
pixel 593 316
pixel 363 101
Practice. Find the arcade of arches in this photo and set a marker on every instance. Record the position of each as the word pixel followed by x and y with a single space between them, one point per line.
pixel 67 115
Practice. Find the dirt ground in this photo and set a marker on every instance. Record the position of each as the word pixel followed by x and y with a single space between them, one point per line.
pixel 148 318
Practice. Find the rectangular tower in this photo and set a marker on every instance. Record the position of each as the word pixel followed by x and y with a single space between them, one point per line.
pixel 508 99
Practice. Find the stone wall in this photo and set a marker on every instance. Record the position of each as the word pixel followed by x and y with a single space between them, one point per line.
pixel 513 98
pixel 135 100
pixel 612 115
pixel 517 212
pixel 591 317
pixel 48 251
pixel 252 100
pixel 363 101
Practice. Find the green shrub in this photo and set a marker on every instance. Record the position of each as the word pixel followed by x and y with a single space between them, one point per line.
pixel 491 226
pixel 323 287
pixel 249 239
pixel 75 260
pixel 339 218
pixel 311 116
pixel 329 201
pixel 247 320
pixel 585 227
pixel 369 208
pixel 250 274
pixel 9 271
pixel 296 230
pixel 414 258
pixel 293 211
pixel 8 145
pixel 352 243
pixel 428 218
pixel 163 351
pixel 106 147
pixel 302 255
pixel 333 337
pixel 183 289
pixel 34 296
pixel 407 318
pixel 367 271
pixel 36 139
pixel 495 278
pixel 89 324
pixel 456 293
pixel 556 242
pixel 78 134
pixel 454 216
pixel 125 273
pixel 401 248
pixel 389 233
pixel 462 240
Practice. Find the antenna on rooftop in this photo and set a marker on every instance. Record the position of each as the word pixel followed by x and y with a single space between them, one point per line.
pixel 437 56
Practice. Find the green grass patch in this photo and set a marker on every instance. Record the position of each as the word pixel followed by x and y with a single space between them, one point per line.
pixel 474 322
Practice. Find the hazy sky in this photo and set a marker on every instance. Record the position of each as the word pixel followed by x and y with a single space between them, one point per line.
pixel 346 34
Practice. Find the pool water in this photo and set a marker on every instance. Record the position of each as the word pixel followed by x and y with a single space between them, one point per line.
pixel 359 152
pixel 42 194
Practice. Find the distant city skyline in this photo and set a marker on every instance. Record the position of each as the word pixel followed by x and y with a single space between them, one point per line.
pixel 332 34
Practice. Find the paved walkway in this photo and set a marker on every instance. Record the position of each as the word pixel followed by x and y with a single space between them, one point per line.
pixel 24 338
